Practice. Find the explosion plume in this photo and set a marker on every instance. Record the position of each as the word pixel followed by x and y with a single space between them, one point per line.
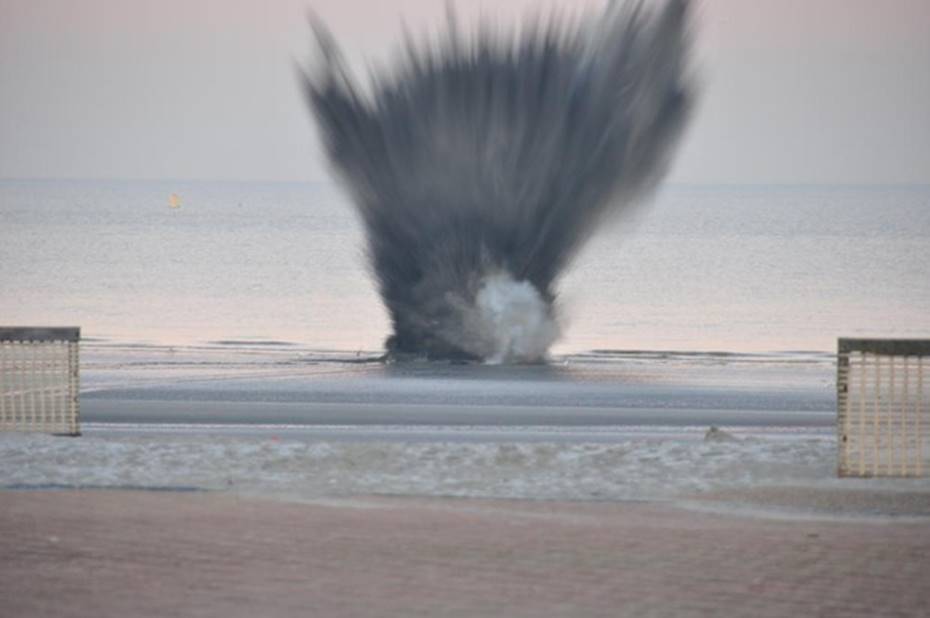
pixel 482 164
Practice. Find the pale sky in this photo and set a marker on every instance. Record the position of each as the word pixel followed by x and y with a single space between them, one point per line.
pixel 793 91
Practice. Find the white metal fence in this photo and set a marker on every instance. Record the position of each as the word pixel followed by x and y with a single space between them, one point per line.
pixel 39 380
pixel 883 407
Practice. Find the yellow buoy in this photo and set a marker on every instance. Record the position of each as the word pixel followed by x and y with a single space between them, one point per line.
pixel 174 201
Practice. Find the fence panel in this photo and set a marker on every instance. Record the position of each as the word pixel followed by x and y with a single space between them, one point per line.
pixel 39 380
pixel 883 407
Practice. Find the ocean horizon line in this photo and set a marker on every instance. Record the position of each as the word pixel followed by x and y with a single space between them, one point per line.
pixel 336 183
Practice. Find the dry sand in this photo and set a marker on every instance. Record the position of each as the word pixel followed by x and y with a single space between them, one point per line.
pixel 121 553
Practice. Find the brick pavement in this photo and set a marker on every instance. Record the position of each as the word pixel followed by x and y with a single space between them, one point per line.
pixel 98 553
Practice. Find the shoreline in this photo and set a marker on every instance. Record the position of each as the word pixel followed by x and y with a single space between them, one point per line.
pixel 491 463
pixel 891 504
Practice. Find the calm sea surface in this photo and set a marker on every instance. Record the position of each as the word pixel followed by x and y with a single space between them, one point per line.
pixel 747 269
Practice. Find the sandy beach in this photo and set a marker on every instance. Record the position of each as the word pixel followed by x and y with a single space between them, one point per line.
pixel 122 553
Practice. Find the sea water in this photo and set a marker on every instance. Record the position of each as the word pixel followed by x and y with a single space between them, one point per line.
pixel 741 269
pixel 707 301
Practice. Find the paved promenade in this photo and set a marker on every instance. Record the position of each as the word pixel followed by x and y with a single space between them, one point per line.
pixel 119 553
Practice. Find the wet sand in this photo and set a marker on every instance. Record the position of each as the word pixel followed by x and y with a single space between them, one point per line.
pixel 123 553
pixel 156 386
pixel 829 503
pixel 362 415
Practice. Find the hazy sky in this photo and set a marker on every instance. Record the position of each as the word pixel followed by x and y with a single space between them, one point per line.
pixel 809 91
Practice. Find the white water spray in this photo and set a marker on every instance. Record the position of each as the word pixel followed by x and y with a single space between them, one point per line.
pixel 509 322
